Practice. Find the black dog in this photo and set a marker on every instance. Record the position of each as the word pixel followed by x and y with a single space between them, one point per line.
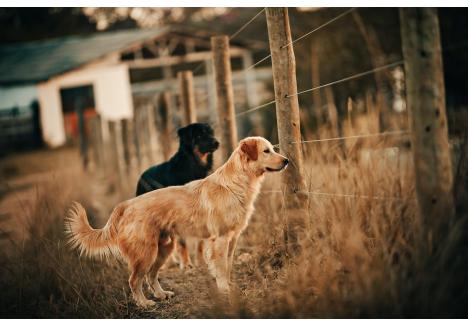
pixel 193 161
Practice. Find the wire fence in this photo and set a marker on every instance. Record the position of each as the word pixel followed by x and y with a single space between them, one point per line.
pixel 331 195
pixel 293 42
pixel 335 82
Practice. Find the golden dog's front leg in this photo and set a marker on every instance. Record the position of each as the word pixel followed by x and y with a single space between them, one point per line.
pixel 216 256
pixel 232 249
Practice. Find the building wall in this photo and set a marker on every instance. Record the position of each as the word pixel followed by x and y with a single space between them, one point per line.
pixel 112 96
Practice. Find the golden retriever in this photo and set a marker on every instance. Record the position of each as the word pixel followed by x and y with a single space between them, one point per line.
pixel 218 208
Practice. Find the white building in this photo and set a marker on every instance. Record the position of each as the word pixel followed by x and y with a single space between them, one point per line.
pixel 98 66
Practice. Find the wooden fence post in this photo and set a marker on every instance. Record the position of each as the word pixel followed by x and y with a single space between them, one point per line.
pixel 153 146
pixel 287 115
pixel 224 94
pixel 426 104
pixel 165 116
pixel 211 92
pixel 187 95
pixel 115 131
pixel 129 146
pixel 136 141
pixel 97 142
pixel 142 135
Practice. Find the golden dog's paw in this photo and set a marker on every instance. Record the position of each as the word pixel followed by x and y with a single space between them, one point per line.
pixel 169 294
pixel 145 303
pixel 163 295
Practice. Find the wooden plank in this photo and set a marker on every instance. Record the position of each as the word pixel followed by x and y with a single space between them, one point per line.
pixel 176 60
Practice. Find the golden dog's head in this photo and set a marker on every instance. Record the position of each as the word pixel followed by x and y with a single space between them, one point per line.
pixel 258 156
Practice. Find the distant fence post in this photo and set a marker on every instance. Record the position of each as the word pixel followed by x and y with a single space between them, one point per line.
pixel 426 104
pixel 224 94
pixel 187 95
pixel 136 141
pixel 83 138
pixel 141 134
pixel 97 142
pixel 117 159
pixel 129 145
pixel 287 115
pixel 153 147
pixel 211 92
pixel 165 115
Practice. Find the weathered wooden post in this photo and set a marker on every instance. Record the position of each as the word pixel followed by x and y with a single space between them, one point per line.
pixel 332 112
pixel 83 138
pixel 211 92
pixel 287 115
pixel 187 95
pixel 115 131
pixel 224 94
pixel 135 139
pixel 426 104
pixel 153 147
pixel 129 146
pixel 142 135
pixel 165 116
pixel 97 142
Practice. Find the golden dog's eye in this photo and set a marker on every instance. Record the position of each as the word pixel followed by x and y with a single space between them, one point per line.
pixel 266 151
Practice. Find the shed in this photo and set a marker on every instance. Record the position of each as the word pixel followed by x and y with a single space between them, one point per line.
pixel 93 74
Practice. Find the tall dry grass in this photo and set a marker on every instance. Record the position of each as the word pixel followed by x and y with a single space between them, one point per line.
pixel 358 257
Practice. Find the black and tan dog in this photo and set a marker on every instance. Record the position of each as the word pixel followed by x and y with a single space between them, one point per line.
pixel 193 161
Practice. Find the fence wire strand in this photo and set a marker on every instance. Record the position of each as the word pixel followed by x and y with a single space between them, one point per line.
pixel 197 68
pixel 246 24
pixel 328 194
pixel 320 27
pixel 385 133
pixel 255 108
pixel 256 63
pixel 368 72
pixel 362 74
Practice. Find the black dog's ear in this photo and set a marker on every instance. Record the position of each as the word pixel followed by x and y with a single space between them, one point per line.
pixel 185 135
pixel 181 132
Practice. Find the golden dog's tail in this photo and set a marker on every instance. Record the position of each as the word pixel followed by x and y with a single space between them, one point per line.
pixel 90 242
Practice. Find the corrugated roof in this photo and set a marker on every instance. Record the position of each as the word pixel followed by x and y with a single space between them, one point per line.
pixel 40 60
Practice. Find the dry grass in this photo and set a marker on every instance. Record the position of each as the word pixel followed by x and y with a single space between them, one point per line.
pixel 359 257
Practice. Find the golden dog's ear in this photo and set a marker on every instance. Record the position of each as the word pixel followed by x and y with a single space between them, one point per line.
pixel 249 147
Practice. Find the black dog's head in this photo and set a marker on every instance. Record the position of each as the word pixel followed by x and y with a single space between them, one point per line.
pixel 198 138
